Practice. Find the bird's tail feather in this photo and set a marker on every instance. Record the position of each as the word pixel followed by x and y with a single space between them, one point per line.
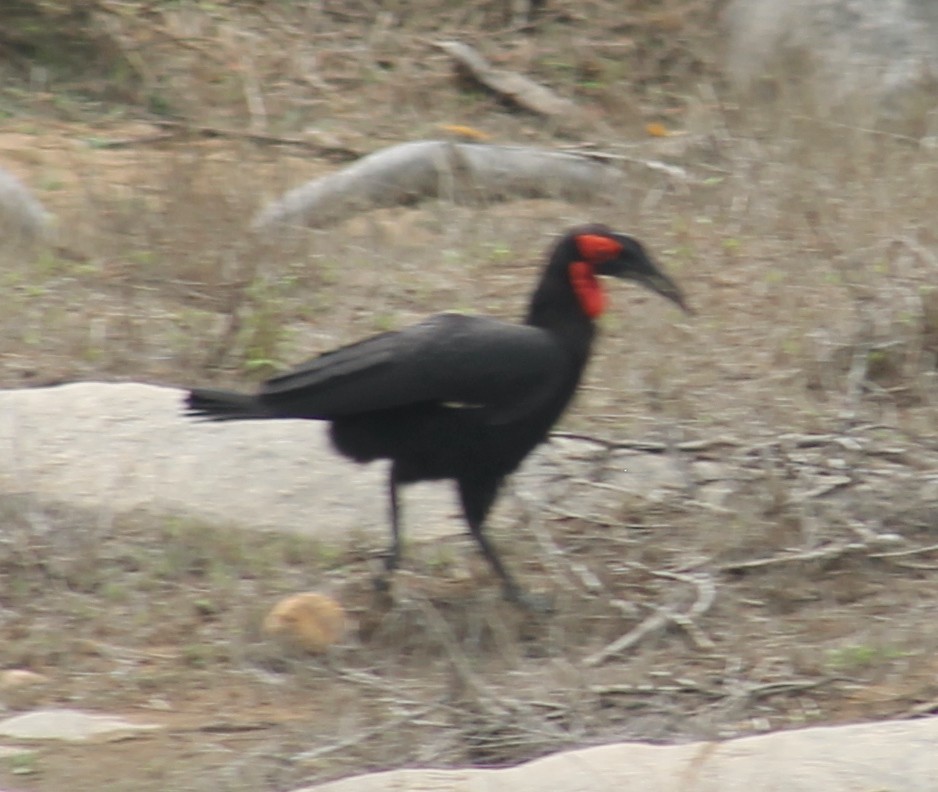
pixel 223 405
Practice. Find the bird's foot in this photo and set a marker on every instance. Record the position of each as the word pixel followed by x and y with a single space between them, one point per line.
pixel 384 596
pixel 540 604
pixel 384 579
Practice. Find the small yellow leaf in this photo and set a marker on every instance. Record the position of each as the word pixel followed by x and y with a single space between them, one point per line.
pixel 465 132
pixel 657 129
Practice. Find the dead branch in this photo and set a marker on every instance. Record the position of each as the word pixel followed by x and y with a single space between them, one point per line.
pixel 828 553
pixel 906 553
pixel 558 561
pixel 834 483
pixel 706 594
pixel 921 710
pixel 409 172
pixel 679 686
pixel 511 86
pixel 457 658
pixel 365 735
pixel 820 554
pixel 676 172
pixel 332 152
pixel 660 619
pixel 154 138
pixel 785 686
pixel 657 621
pixel 647 446
pixel 567 514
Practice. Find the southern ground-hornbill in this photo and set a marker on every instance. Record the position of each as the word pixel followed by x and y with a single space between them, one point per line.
pixel 457 397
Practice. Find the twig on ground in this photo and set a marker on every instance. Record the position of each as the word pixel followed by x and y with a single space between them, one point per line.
pixel 819 554
pixel 783 686
pixel 550 551
pixel 920 710
pixel 924 255
pixel 367 734
pixel 905 553
pixel 826 553
pixel 602 522
pixel 253 94
pixel 371 681
pixel 706 594
pixel 657 621
pixel 650 446
pixel 457 658
pixel 834 483
pixel 559 560
pixel 914 141
pixel 673 171
pixel 339 153
pixel 511 86
pixel 679 686
pixel 747 691
pixel 137 140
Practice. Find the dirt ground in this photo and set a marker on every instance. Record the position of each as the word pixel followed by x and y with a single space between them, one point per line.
pixel 800 590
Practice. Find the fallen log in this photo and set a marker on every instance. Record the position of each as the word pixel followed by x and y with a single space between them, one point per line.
pixel 514 88
pixel 460 172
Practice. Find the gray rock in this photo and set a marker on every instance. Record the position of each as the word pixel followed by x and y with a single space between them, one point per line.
pixel 858 55
pixel 899 756
pixel 69 725
pixel 21 214
pixel 124 447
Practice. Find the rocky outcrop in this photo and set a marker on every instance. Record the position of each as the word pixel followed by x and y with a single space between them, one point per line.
pixel 899 756
pixel 124 447
pixel 872 60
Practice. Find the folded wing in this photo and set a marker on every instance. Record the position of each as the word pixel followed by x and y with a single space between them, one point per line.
pixel 452 359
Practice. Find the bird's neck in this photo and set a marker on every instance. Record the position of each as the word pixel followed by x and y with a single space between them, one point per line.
pixel 555 308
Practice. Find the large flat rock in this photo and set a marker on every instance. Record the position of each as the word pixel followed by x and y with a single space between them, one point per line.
pixel 898 756
pixel 69 725
pixel 127 446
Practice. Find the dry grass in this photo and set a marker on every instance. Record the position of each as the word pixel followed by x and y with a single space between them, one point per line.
pixel 805 247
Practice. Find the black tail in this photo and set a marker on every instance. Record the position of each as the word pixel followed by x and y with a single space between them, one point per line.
pixel 222 405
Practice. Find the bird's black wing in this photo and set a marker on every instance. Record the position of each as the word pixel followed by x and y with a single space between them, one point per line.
pixel 449 358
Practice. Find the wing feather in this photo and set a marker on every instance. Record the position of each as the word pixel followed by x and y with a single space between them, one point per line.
pixel 449 358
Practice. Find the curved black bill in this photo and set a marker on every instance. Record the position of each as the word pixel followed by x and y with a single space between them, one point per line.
pixel 660 283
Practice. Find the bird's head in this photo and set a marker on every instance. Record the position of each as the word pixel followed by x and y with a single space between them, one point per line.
pixel 591 250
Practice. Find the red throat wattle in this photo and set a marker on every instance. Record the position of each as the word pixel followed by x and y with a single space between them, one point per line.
pixel 587 289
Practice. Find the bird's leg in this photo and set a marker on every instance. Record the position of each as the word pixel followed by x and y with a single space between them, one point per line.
pixel 477 499
pixel 393 557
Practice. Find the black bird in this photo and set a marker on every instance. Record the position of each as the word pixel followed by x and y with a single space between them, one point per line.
pixel 457 397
